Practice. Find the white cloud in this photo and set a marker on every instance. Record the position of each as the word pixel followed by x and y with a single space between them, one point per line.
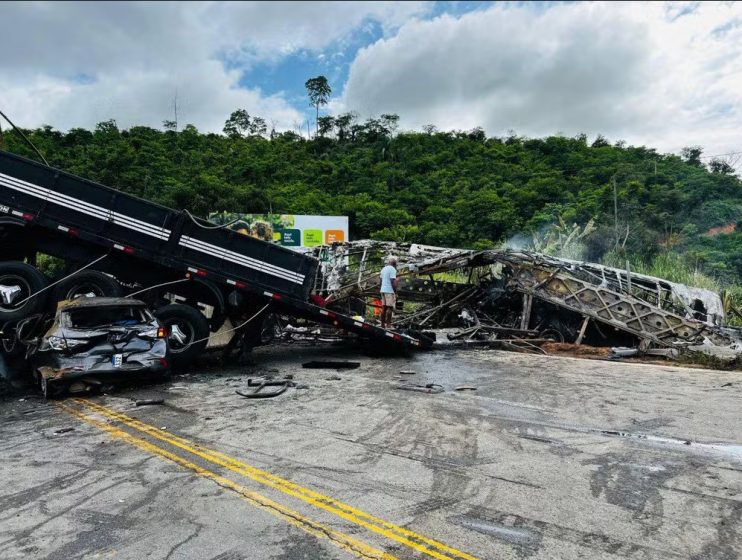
pixel 667 75
pixel 77 63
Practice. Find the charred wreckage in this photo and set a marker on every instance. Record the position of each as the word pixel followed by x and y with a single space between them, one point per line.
pixel 525 300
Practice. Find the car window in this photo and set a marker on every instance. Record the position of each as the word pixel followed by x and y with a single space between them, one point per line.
pixel 96 317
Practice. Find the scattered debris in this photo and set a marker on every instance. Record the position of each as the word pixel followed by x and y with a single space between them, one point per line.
pixel 334 378
pixel 575 350
pixel 407 372
pixel 258 393
pixel 465 388
pixel 279 385
pixel 622 352
pixel 318 364
pixel 63 430
pixel 429 388
pixel 145 402
pixel 511 534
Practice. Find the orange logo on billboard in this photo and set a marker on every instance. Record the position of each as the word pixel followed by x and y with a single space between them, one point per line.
pixel 334 236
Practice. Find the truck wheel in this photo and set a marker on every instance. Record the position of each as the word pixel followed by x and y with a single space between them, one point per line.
pixel 88 283
pixel 184 326
pixel 18 281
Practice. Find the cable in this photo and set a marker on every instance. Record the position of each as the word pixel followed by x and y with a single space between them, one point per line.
pixel 19 131
pixel 234 328
pixel 216 226
pixel 720 155
pixel 158 286
pixel 62 279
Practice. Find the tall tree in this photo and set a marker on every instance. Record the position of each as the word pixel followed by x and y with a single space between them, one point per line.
pixel 237 124
pixel 258 126
pixel 319 92
pixel 692 154
pixel 325 125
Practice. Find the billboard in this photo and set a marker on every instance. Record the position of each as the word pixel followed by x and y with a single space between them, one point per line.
pixel 289 230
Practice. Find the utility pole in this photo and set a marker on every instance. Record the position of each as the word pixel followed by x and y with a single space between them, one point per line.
pixel 175 109
pixel 615 209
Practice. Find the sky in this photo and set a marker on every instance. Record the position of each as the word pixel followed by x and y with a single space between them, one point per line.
pixel 665 75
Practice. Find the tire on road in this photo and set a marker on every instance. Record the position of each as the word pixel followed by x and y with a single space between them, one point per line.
pixel 185 325
pixel 28 280
pixel 85 283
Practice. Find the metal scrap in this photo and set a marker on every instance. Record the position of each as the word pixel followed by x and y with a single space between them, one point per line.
pixel 432 388
pixel 522 300
pixel 319 364
pixel 279 387
pixel 146 402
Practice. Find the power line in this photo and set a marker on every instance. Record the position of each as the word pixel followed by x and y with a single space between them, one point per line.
pixel 19 131
pixel 722 155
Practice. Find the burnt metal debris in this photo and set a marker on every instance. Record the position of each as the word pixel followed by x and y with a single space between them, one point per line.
pixel 524 299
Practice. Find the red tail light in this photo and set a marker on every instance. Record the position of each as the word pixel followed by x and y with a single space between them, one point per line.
pixel 162 332
pixel 164 362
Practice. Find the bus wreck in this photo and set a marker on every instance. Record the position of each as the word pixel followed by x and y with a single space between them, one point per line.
pixel 524 298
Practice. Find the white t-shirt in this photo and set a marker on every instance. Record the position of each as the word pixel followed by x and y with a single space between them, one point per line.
pixel 388 273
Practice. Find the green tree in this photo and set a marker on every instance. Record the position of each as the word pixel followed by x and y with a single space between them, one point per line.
pixel 237 124
pixel 325 125
pixel 717 165
pixel 692 154
pixel 257 127
pixel 319 91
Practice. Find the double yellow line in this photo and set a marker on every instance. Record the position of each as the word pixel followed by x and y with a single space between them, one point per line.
pixel 430 547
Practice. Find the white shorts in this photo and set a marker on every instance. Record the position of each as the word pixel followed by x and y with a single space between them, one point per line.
pixel 389 300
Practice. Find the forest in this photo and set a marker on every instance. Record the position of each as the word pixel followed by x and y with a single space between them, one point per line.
pixel 448 188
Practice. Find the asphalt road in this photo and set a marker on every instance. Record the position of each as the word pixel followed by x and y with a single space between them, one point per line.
pixel 548 458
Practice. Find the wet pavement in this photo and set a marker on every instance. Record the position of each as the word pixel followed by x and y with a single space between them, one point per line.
pixel 548 458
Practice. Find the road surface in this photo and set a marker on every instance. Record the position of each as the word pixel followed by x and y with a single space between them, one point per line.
pixel 548 458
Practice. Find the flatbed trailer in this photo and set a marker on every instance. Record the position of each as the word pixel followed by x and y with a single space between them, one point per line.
pixel 143 244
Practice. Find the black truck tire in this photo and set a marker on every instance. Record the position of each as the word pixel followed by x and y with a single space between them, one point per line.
pixel 30 281
pixel 87 282
pixel 190 324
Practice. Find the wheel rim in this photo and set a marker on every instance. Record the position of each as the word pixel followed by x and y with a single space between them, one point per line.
pixel 84 289
pixel 553 335
pixel 181 335
pixel 13 289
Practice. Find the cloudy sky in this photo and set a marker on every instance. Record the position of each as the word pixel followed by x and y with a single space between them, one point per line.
pixel 661 74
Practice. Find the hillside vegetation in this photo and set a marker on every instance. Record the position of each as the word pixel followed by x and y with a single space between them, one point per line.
pixel 459 189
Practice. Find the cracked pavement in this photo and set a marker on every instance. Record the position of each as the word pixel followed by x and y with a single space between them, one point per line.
pixel 549 458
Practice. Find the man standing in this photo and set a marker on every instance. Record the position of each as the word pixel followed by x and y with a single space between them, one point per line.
pixel 388 292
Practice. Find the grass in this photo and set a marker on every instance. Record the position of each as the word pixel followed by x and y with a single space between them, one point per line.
pixel 669 266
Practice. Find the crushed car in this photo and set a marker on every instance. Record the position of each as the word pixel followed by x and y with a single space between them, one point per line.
pixel 92 343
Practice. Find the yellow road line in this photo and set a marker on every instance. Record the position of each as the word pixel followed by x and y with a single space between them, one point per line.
pixel 426 545
pixel 341 540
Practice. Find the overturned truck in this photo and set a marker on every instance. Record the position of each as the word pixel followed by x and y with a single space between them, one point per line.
pixel 195 275
pixel 525 297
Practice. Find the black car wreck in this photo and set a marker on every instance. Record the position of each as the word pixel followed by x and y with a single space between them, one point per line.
pixel 95 342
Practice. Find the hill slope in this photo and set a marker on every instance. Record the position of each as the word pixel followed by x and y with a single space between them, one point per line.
pixel 454 189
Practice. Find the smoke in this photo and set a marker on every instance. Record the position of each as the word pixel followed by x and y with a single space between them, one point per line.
pixel 519 242
pixel 555 239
